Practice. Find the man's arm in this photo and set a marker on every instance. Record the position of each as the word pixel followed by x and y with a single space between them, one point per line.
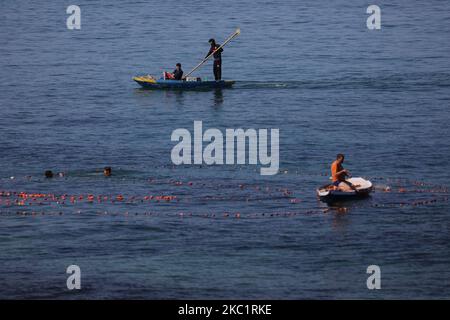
pixel 211 50
pixel 336 173
pixel 342 172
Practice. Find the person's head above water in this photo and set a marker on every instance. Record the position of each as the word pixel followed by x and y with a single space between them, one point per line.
pixel 340 157
pixel 212 42
pixel 107 171
pixel 48 174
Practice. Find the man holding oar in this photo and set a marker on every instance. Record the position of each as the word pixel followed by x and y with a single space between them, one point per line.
pixel 216 50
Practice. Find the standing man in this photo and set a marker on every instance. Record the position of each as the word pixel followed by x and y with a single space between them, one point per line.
pixel 217 64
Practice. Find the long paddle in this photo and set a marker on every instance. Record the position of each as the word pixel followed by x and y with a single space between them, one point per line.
pixel 235 34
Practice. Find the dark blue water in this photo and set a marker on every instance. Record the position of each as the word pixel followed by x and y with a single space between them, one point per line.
pixel 310 68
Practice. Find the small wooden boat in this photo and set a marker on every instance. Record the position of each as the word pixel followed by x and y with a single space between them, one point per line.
pixel 150 82
pixel 188 83
pixel 328 193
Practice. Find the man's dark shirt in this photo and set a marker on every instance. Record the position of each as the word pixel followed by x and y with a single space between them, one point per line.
pixel 178 74
pixel 218 54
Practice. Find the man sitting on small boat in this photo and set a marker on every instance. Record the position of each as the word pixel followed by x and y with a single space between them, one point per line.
pixel 177 74
pixel 338 175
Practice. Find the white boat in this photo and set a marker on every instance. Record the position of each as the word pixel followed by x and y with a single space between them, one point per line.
pixel 329 193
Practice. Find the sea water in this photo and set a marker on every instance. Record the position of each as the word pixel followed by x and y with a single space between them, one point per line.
pixel 311 69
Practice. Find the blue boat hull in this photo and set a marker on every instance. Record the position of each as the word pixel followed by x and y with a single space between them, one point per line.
pixel 183 85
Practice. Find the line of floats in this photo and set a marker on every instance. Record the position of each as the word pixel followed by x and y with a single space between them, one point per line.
pixel 23 199
pixel 236 215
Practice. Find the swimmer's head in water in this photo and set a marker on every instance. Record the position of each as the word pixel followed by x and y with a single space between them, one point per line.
pixel 48 174
pixel 107 171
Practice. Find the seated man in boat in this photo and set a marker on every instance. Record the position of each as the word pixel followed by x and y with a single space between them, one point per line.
pixel 177 74
pixel 338 175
